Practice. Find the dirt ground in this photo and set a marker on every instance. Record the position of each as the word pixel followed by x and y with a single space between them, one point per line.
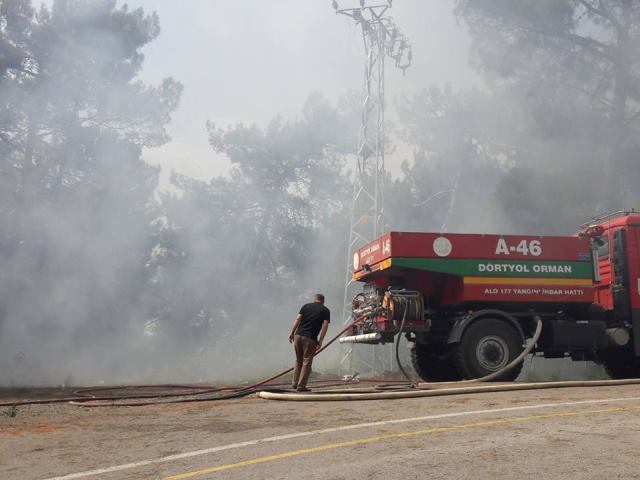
pixel 569 433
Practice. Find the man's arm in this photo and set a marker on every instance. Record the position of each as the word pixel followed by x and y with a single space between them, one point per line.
pixel 323 332
pixel 294 327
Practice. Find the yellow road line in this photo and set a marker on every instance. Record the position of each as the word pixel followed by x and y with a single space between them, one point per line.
pixel 391 436
pixel 578 282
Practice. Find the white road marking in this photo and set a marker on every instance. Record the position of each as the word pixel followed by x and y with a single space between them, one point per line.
pixel 278 438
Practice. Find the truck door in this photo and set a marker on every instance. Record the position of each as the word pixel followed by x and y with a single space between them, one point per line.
pixel 629 267
pixel 632 233
pixel 602 287
pixel 620 285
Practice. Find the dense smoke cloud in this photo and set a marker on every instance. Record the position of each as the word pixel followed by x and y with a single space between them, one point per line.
pixel 567 72
pixel 77 208
pixel 104 277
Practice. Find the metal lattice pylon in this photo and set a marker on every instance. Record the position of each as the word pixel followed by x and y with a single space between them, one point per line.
pixel 381 39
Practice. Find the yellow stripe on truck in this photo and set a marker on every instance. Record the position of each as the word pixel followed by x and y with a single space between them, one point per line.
pixel 578 282
pixel 381 266
pixel 386 264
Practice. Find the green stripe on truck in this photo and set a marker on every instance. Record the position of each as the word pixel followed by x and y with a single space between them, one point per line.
pixel 498 268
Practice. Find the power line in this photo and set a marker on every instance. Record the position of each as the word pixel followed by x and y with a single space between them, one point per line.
pixel 382 39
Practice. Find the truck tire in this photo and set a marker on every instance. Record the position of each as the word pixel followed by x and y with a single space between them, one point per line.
pixel 621 363
pixel 486 346
pixel 433 363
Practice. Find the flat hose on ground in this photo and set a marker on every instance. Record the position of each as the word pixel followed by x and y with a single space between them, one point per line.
pixel 419 390
pixel 87 397
pixel 428 390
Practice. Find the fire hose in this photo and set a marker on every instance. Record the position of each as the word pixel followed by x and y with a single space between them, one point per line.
pixel 420 389
pixel 193 393
pixel 190 393
pixel 428 390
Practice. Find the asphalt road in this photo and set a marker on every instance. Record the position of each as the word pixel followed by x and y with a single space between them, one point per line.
pixel 579 433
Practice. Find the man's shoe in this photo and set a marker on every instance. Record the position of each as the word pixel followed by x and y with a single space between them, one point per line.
pixel 294 387
pixel 302 389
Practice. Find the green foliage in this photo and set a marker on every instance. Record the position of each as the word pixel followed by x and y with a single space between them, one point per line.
pixel 571 71
pixel 242 251
pixel 455 166
pixel 90 259
pixel 76 201
pixel 536 202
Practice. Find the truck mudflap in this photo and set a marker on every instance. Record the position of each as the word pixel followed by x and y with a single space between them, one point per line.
pixel 635 327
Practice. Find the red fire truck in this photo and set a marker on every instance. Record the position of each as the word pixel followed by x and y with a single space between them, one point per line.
pixel 467 302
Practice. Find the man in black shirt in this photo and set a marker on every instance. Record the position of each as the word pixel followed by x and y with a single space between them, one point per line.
pixel 307 334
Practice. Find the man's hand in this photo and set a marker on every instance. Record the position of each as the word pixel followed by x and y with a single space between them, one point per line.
pixel 323 332
pixel 294 327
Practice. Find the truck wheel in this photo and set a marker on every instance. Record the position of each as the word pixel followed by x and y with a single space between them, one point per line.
pixel 621 363
pixel 486 346
pixel 434 363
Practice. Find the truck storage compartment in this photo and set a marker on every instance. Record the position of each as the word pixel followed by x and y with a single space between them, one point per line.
pixel 560 336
